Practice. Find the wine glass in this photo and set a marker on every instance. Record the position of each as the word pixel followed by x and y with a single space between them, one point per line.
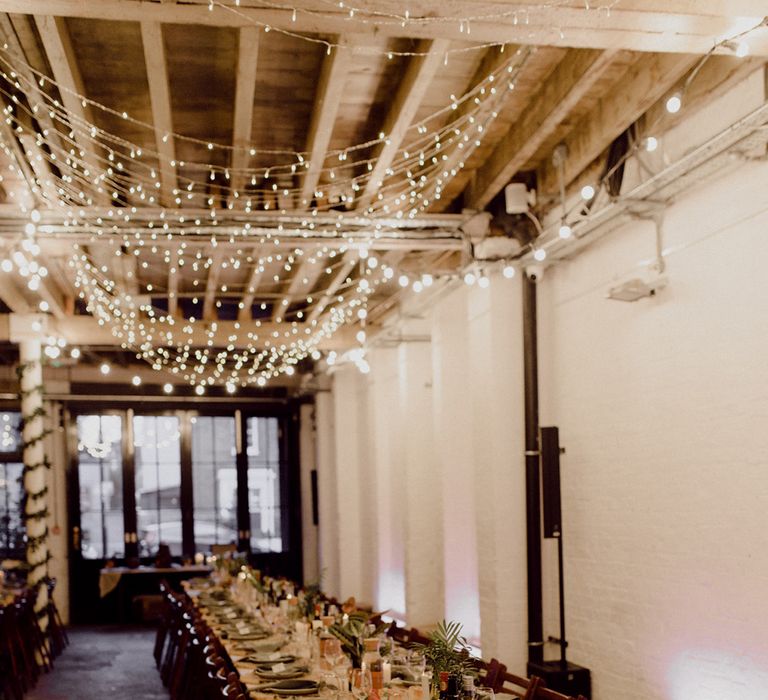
pixel 362 683
pixel 332 652
pixel 484 693
pixel 330 686
pixel 417 663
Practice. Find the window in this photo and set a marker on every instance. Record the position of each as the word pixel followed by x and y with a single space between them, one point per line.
pixel 100 475
pixel 157 464
pixel 11 487
pixel 264 497
pixel 174 478
pixel 214 480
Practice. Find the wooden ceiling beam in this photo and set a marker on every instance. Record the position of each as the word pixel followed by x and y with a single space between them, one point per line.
pixel 211 286
pixel 61 57
pixel 348 262
pixel 173 288
pixel 251 287
pixel 160 100
pixel 12 296
pixel 680 26
pixel 302 283
pixel 644 83
pixel 572 79
pixel 418 77
pixel 245 87
pixel 57 304
pixel 85 331
pixel 34 94
pixel 330 90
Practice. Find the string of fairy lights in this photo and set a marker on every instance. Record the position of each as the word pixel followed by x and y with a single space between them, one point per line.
pixel 377 18
pixel 426 162
pixel 89 166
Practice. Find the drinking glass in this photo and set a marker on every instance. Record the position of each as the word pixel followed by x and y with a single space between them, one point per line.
pixel 417 663
pixel 484 693
pixel 332 652
pixel 330 686
pixel 362 683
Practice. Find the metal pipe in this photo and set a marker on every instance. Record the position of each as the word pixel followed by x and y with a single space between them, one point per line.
pixel 532 478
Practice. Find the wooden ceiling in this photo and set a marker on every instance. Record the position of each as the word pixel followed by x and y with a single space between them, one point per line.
pixel 267 80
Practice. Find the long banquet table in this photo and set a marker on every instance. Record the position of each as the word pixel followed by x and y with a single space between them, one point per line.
pixel 250 631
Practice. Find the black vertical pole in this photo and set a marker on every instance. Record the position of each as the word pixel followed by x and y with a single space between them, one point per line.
pixel 532 480
pixel 561 584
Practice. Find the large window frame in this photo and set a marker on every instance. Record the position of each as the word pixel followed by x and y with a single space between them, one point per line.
pixel 287 417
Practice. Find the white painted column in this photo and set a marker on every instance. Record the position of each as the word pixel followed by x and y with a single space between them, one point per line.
pixel 307 463
pixel 328 528
pixel 389 477
pixel 423 524
pixel 455 454
pixel 495 369
pixel 349 438
pixel 31 380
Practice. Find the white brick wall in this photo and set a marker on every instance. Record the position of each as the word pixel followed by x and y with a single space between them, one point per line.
pixel 663 407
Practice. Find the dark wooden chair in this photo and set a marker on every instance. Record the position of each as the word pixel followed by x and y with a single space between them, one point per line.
pixel 532 688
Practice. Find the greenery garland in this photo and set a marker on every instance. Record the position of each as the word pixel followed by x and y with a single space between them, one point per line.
pixel 38 542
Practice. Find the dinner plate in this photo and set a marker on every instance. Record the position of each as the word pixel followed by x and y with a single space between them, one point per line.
pixel 268 660
pixel 288 674
pixel 287 687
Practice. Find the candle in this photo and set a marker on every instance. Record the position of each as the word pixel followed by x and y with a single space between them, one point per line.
pixel 386 672
pixel 199 558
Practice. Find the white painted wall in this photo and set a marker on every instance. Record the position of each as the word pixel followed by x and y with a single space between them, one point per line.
pixel 328 535
pixel 662 405
pixel 308 463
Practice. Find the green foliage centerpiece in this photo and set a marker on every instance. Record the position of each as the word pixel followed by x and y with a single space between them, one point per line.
pixel 448 652
pixel 352 629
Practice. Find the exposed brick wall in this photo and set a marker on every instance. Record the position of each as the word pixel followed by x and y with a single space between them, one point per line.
pixel 663 408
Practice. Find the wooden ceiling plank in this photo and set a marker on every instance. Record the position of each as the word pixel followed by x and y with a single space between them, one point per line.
pixel 252 286
pixel 309 270
pixel 12 296
pixel 85 331
pixel 173 289
pixel 160 100
pixel 418 77
pixel 34 95
pixel 245 87
pixel 211 286
pixel 348 263
pixel 569 83
pixel 54 298
pixel 58 47
pixel 681 26
pixel 647 81
pixel 328 98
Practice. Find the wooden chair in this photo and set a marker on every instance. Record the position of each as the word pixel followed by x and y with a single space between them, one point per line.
pixel 532 688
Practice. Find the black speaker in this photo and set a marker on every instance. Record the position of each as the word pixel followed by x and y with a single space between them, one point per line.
pixel 569 679
pixel 549 451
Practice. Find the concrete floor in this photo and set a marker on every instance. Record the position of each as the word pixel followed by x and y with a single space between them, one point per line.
pixel 103 663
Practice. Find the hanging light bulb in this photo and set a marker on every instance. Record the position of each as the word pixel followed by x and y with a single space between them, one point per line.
pixel 168 388
pixel 483 282
pixel 565 231
pixel 539 254
pixel 469 278
pixel 136 381
pixel 105 368
pixel 587 192
pixel 651 144
pixel 509 271
pixel 674 103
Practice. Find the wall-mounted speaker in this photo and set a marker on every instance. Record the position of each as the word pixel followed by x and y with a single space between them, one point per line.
pixel 549 455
